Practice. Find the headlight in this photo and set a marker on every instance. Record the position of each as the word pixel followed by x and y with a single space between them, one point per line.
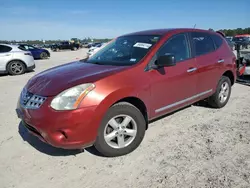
pixel 72 97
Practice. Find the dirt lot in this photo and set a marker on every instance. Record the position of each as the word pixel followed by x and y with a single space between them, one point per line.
pixel 195 147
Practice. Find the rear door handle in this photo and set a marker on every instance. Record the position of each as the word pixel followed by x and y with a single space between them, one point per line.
pixel 192 69
pixel 220 61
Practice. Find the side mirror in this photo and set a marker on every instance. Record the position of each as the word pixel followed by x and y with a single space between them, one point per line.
pixel 166 61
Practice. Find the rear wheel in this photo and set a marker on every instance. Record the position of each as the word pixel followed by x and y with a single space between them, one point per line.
pixel 222 94
pixel 121 130
pixel 16 67
pixel 44 55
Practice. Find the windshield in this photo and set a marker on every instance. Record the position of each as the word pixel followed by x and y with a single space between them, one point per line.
pixel 125 50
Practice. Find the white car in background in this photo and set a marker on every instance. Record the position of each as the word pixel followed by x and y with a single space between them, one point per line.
pixel 96 48
pixel 14 60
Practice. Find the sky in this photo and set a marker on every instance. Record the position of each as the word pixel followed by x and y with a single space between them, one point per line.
pixel 65 19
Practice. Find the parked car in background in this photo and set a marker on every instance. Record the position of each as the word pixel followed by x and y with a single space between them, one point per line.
pixel 15 60
pixel 84 44
pixel 108 99
pixel 38 53
pixel 65 46
pixel 231 43
pixel 229 38
pixel 93 44
pixel 243 41
pixel 95 48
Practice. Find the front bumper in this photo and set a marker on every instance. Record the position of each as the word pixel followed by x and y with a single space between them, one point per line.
pixel 73 129
pixel 31 67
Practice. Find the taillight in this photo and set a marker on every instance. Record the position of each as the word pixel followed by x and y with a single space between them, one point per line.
pixel 28 54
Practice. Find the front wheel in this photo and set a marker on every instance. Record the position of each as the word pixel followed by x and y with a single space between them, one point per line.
pixel 222 94
pixel 121 131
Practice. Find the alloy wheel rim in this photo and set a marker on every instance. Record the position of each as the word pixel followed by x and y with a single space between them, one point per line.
pixel 224 92
pixel 16 68
pixel 44 55
pixel 120 131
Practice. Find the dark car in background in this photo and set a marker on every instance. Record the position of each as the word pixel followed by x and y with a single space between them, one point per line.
pixel 231 43
pixel 94 44
pixel 243 41
pixel 65 46
pixel 38 53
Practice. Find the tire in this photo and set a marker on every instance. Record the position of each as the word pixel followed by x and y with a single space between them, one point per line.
pixel 44 55
pixel 57 49
pixel 136 126
pixel 74 48
pixel 16 67
pixel 220 98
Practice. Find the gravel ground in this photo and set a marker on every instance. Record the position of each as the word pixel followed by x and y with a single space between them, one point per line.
pixel 196 147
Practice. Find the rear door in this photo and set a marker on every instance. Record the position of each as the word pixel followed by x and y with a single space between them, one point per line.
pixel 208 62
pixel 5 56
pixel 174 87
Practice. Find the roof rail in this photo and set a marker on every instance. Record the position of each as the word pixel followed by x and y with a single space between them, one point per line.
pixel 221 33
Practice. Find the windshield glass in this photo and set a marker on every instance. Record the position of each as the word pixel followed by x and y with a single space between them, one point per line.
pixel 125 50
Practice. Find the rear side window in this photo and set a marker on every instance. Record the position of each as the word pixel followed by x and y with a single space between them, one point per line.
pixel 218 41
pixel 203 43
pixel 4 49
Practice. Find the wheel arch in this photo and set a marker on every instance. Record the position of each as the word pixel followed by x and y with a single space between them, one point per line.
pixel 122 95
pixel 7 64
pixel 138 103
pixel 230 75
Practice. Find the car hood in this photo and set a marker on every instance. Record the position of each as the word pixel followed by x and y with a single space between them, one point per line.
pixel 53 81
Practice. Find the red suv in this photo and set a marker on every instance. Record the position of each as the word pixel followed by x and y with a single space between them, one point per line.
pixel 108 99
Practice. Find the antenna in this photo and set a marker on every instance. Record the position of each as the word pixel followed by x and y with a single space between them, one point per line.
pixel 194 25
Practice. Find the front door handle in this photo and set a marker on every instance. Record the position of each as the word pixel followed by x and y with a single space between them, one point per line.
pixel 191 69
pixel 220 61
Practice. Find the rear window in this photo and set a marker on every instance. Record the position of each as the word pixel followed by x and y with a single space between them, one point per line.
pixel 218 41
pixel 4 49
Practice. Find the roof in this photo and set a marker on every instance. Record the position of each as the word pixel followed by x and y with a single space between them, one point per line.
pixel 10 45
pixel 163 31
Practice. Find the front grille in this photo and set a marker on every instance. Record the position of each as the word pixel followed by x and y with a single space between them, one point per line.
pixel 31 101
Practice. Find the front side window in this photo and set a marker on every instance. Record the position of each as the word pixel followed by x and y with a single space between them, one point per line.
pixel 177 46
pixel 203 43
pixel 125 50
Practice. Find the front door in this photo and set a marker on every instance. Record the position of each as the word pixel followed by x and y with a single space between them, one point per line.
pixel 174 87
